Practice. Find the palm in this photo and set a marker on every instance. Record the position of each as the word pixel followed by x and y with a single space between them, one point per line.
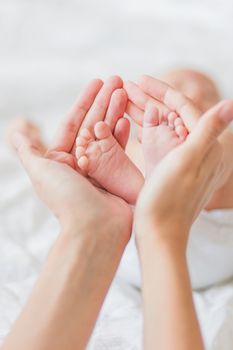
pixel 65 191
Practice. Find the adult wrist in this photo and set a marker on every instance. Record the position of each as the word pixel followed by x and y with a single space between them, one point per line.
pixel 162 238
pixel 93 236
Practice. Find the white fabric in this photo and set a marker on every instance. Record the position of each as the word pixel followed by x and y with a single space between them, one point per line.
pixel 209 253
pixel 49 49
pixel 210 249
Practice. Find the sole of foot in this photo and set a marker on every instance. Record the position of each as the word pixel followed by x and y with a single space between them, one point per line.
pixel 102 159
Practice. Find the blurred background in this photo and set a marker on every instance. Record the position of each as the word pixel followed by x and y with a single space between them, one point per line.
pixel 48 50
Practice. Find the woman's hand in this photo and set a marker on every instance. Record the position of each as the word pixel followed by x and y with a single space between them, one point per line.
pixel 99 101
pixel 165 98
pixel 175 193
pixel 70 196
pixel 184 180
pixel 96 227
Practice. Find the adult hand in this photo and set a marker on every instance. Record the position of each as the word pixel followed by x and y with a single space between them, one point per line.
pixel 98 102
pixel 167 99
pixel 184 180
pixel 96 227
pixel 164 97
pixel 71 197
pixel 169 202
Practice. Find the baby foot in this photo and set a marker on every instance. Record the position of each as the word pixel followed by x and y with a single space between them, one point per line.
pixel 100 157
pixel 159 137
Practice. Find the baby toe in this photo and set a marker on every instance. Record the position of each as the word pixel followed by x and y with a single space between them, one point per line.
pixel 81 141
pixel 182 132
pixel 178 121
pixel 80 151
pixel 151 116
pixel 83 163
pixel 102 130
pixel 86 134
pixel 171 119
pixel 164 120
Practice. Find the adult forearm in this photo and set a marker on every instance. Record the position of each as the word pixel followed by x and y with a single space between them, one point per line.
pixel 66 300
pixel 170 318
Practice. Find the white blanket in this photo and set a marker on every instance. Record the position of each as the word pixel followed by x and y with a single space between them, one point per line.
pixel 209 252
pixel 49 49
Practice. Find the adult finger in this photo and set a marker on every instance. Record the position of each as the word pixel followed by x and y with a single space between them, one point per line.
pixel 172 98
pixel 98 110
pixel 135 113
pixel 62 157
pixel 207 151
pixel 211 126
pixel 27 152
pixel 122 131
pixel 68 129
pixel 26 127
pixel 140 98
pixel 116 109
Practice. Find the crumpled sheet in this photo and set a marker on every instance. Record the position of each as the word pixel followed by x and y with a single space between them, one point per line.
pixel 49 49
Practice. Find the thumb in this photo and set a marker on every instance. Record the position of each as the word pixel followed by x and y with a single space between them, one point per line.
pixel 211 125
pixel 27 152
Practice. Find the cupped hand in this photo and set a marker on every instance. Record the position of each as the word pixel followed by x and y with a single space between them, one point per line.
pixel 99 101
pixel 183 181
pixel 164 97
pixel 72 198
pixel 79 206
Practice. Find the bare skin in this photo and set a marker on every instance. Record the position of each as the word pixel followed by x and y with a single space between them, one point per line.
pixel 98 134
pixel 205 94
pixel 165 211
pixel 95 228
pixel 159 137
pixel 26 128
pixel 79 204
pixel 162 138
pixel 99 224
pixel 100 157
pixel 95 150
pixel 97 102
pixel 149 88
pixel 195 85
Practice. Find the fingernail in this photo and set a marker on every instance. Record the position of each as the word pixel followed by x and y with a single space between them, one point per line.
pixel 226 112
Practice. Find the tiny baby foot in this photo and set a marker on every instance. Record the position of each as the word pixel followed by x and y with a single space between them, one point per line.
pixel 160 136
pixel 101 158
